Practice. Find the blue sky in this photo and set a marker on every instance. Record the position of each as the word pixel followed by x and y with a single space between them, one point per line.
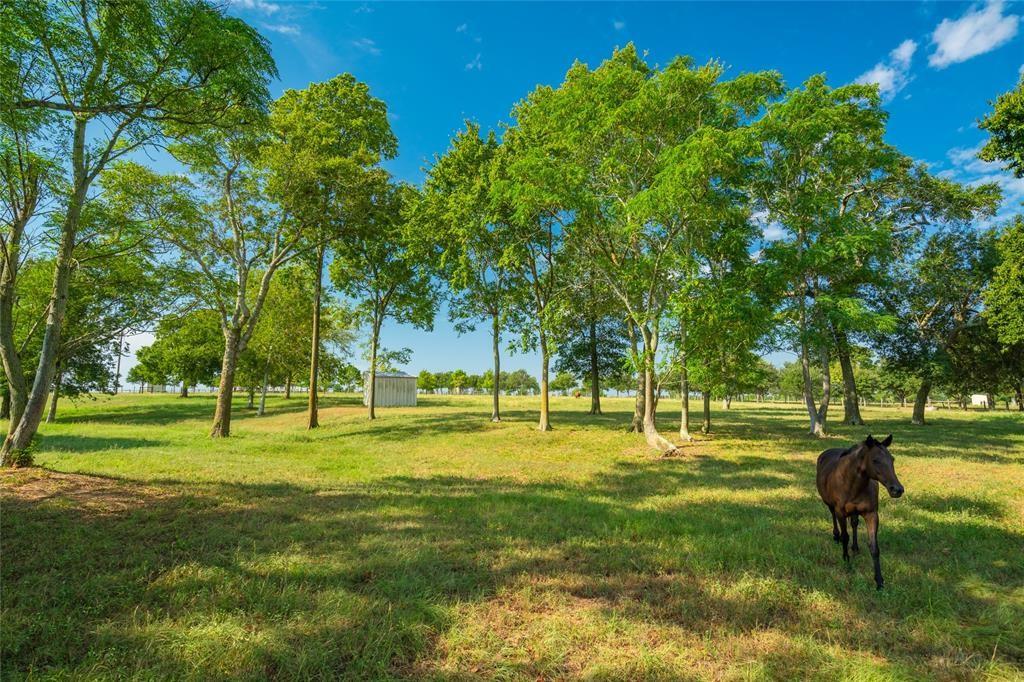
pixel 435 65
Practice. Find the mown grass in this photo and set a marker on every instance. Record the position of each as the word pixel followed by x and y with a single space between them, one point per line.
pixel 435 544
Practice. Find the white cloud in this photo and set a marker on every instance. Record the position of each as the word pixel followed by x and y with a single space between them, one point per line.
pixel 980 30
pixel 904 52
pixel 770 231
pixel 283 29
pixel 618 25
pixel 476 64
pixel 366 45
pixel 966 167
pixel 363 9
pixel 461 28
pixel 893 74
pixel 773 232
pixel 967 158
pixel 262 6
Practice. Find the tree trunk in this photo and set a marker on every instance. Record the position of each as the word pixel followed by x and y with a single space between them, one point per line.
pixel 595 386
pixel 251 394
pixel 5 406
pixel 313 417
pixel 371 388
pixel 826 392
pixel 263 393
pixel 51 416
pixel 684 390
pixel 990 401
pixel 184 390
pixel 654 439
pixel 17 389
pixel 637 425
pixel 117 373
pixel 919 403
pixel 545 359
pixel 705 426
pixel 496 349
pixel 1019 394
pixel 851 402
pixel 288 386
pixel 12 452
pixel 222 416
pixel 805 367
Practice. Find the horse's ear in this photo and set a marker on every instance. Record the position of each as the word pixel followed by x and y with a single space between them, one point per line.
pixel 888 441
pixel 869 441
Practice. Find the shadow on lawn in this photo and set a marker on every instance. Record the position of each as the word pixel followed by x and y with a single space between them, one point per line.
pixel 361 581
pixel 198 406
pixel 987 437
pixel 410 423
pixel 69 442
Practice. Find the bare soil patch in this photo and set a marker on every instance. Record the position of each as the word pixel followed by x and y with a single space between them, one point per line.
pixel 93 494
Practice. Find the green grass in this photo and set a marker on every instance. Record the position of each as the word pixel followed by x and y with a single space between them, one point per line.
pixel 434 544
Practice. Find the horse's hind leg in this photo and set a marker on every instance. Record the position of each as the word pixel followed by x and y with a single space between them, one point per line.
pixel 835 524
pixel 854 520
pixel 871 518
pixel 845 537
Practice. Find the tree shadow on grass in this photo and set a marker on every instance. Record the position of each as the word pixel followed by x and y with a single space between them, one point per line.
pixel 72 442
pixel 161 411
pixel 156 412
pixel 997 439
pixel 250 581
pixel 409 426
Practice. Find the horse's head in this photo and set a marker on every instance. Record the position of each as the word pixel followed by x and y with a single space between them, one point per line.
pixel 877 463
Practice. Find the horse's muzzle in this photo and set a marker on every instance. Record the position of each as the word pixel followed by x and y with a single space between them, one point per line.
pixel 895 490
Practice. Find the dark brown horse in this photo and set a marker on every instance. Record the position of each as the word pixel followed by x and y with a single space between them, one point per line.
pixel 848 484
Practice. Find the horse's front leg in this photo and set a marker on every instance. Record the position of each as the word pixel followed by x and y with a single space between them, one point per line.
pixel 845 537
pixel 854 520
pixel 871 518
pixel 835 524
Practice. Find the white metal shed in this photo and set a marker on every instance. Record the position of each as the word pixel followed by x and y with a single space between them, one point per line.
pixel 393 389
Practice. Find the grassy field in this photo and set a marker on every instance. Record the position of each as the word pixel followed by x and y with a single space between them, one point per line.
pixel 434 544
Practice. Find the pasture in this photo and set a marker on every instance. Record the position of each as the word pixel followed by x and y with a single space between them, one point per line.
pixel 435 544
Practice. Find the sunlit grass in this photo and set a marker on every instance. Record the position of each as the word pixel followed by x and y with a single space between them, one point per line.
pixel 433 543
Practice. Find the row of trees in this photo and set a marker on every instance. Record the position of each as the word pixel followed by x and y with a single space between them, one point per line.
pixel 188 349
pixel 82 87
pixel 624 212
pixel 616 225
pixel 519 382
pixel 260 187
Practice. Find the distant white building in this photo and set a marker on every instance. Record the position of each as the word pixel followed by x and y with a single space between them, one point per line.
pixel 980 400
pixel 392 389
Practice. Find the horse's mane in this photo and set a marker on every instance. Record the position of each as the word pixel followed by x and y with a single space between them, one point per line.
pixel 848 450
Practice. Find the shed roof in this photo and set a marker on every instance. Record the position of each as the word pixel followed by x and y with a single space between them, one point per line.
pixel 390 375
